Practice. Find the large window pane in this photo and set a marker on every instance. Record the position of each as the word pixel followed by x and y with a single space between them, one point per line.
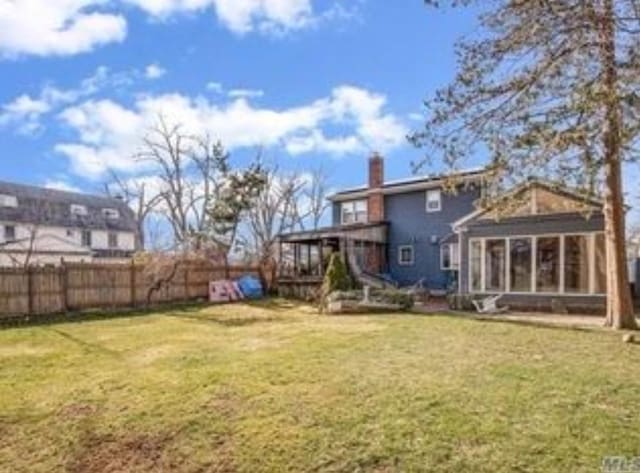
pixel 475 260
pixel 548 264
pixel 521 259
pixel 495 265
pixel 576 264
pixel 601 265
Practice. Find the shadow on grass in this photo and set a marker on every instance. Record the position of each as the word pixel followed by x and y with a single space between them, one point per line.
pixel 187 310
pixel 91 347
pixel 96 315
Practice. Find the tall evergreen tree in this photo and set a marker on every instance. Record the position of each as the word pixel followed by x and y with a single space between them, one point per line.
pixel 550 87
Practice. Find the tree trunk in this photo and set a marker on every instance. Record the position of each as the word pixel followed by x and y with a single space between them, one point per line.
pixel 619 304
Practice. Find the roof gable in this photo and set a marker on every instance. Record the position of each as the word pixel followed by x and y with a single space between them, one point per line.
pixel 534 198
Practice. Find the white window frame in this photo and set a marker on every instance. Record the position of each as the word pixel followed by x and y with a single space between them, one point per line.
pixel 111 214
pixel 591 238
pixel 79 210
pixel 454 257
pixel 413 255
pixel 82 238
pixel 437 192
pixel 4 233
pixel 8 201
pixel 351 207
pixel 116 238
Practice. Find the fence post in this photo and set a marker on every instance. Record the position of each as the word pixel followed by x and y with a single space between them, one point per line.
pixel 64 283
pixel 132 283
pixel 30 291
pixel 186 281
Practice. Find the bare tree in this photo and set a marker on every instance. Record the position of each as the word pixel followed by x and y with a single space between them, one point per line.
pixel 20 251
pixel 550 87
pixel 135 193
pixel 274 211
pixel 316 195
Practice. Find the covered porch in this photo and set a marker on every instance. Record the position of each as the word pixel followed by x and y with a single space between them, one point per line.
pixel 303 256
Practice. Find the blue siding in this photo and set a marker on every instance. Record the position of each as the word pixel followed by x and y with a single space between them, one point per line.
pixel 410 224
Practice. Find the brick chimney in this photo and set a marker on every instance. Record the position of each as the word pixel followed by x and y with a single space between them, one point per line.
pixel 376 181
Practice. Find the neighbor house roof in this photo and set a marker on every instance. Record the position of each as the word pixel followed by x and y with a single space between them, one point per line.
pixel 49 207
pixel 410 184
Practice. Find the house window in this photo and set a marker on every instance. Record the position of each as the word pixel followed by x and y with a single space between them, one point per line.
pixel 86 238
pixel 405 255
pixel 434 200
pixel 475 260
pixel 9 233
pixel 495 265
pixel 113 240
pixel 576 264
pixel 70 233
pixel 548 264
pixel 354 211
pixel 8 201
pixel 79 210
pixel 449 257
pixel 543 264
pixel 520 252
pixel 111 214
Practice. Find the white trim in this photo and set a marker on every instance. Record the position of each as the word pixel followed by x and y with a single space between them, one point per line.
pixel 591 236
pixel 439 200
pixel 406 263
pixel 454 265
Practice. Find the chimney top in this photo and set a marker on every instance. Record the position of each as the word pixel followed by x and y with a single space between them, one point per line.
pixel 376 170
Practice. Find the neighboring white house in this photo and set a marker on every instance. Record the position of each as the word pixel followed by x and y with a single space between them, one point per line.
pixel 45 226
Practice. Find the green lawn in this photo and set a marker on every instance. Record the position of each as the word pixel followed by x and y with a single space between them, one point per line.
pixel 276 387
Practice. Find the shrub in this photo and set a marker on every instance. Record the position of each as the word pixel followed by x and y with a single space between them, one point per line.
pixel 393 296
pixel 336 278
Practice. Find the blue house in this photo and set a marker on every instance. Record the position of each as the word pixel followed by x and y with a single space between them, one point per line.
pixel 534 245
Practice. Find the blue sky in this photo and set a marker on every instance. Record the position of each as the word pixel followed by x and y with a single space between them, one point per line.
pixel 311 81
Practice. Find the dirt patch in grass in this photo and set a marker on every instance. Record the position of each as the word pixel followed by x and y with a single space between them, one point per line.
pixel 77 410
pixel 132 453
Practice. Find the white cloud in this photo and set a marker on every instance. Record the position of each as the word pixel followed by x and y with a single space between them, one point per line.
pixel 154 71
pixel 245 93
pixel 67 27
pixel 61 185
pixel 215 87
pixel 350 120
pixel 56 27
pixel 25 111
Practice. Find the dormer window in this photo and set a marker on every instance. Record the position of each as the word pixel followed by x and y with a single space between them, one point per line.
pixel 8 201
pixel 111 214
pixel 79 210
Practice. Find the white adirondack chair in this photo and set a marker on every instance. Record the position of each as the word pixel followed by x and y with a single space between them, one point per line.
pixel 488 305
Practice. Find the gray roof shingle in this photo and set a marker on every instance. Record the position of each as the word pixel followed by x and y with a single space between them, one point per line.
pixel 38 205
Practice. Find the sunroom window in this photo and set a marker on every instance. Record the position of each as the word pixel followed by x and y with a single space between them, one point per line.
pixel 449 257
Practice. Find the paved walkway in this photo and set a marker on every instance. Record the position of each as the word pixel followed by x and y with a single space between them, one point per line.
pixel 592 322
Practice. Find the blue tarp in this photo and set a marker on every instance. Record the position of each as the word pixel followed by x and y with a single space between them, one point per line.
pixel 250 287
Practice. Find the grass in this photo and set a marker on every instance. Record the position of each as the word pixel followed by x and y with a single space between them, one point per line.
pixel 276 387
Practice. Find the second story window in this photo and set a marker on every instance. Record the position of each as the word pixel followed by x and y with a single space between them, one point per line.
pixel 79 210
pixel 434 200
pixel 8 201
pixel 9 233
pixel 113 240
pixel 86 238
pixel 354 211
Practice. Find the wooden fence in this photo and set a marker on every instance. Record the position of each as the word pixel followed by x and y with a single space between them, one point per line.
pixel 77 287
